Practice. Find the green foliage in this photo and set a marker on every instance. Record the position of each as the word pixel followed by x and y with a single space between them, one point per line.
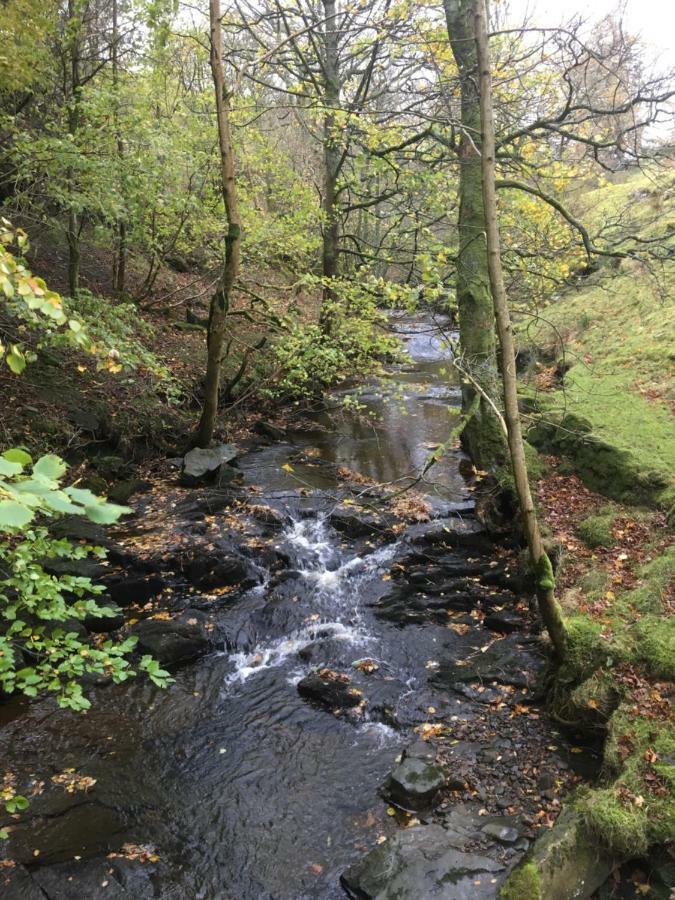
pixel 596 531
pixel 307 360
pixel 29 301
pixel 41 649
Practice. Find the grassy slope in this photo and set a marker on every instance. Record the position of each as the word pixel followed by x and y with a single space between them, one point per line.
pixel 617 328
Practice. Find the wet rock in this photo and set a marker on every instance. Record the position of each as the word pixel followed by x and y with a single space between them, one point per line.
pixel 16 883
pixel 268 430
pixel 97 624
pixel 330 689
pixel 121 491
pixel 124 590
pixel 124 879
pixel 84 829
pixel 207 570
pixel 565 862
pixel 504 621
pixel 512 660
pixel 203 466
pixel 414 783
pixel 357 524
pixel 174 641
pixel 504 834
pixel 421 864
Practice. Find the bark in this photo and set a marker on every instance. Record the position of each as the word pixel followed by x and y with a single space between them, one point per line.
pixel 74 225
pixel 331 157
pixel 119 267
pixel 220 300
pixel 549 609
pixel 482 436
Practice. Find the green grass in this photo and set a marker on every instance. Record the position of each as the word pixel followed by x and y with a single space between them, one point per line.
pixel 596 531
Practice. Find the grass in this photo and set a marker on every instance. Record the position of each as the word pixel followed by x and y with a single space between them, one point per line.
pixel 615 331
pixel 611 421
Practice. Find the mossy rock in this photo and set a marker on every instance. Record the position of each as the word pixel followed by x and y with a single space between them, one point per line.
pixel 656 645
pixel 563 863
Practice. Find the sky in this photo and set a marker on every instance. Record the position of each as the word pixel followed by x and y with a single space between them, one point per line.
pixel 653 20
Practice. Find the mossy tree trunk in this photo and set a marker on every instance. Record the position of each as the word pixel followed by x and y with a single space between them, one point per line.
pixel 331 158
pixel 482 436
pixel 549 609
pixel 220 300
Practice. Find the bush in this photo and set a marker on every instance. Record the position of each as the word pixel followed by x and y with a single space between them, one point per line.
pixel 40 649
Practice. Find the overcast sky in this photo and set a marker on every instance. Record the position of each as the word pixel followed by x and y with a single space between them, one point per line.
pixel 653 20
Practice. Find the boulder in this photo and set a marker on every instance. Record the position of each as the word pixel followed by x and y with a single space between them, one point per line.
pixel 268 430
pixel 421 863
pixel 565 862
pixel 124 589
pixel 330 689
pixel 204 465
pixel 174 641
pixel 414 783
pixel 357 523
pixel 212 570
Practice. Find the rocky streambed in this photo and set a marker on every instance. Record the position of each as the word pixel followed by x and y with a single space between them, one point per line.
pixel 357 691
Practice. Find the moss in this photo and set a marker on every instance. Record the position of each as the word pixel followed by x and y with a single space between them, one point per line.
pixel 596 531
pixel 522 884
pixel 544 573
pixel 618 824
pixel 586 650
pixel 656 645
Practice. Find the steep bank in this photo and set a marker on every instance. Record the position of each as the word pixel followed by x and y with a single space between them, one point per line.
pixel 597 381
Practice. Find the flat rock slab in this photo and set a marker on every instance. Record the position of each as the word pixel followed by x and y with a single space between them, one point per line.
pixel 420 864
pixel 203 466
pixel 511 660
pixel 174 641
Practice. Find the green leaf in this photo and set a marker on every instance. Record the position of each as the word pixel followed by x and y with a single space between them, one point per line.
pixel 14 515
pixel 8 468
pixel 17 455
pixel 16 360
pixel 105 513
pixel 49 466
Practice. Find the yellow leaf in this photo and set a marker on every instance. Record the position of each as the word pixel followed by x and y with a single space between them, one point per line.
pixel 287 467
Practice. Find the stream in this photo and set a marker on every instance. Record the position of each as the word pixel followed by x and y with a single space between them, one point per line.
pixel 231 785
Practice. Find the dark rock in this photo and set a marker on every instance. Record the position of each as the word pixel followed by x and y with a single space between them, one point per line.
pixel 124 590
pixel 354 523
pixel 174 641
pixel 421 863
pixel 124 879
pixel 203 466
pixel 211 570
pixel 84 829
pixel 414 784
pixel 511 660
pixel 504 834
pixel 504 621
pixel 330 692
pixel 121 491
pixel 104 623
pixel 16 883
pixel 268 430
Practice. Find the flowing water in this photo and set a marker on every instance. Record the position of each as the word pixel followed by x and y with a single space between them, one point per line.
pixel 246 790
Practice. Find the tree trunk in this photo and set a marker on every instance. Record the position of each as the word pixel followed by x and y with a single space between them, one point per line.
pixel 119 267
pixel 331 158
pixel 74 225
pixel 482 435
pixel 549 609
pixel 221 298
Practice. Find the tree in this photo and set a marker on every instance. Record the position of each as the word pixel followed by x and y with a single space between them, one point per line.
pixel 549 609
pixel 220 300
pixel 482 434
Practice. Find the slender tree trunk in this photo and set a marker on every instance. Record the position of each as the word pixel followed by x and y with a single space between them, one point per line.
pixel 119 269
pixel 74 225
pixel 221 298
pixel 331 158
pixel 549 609
pixel 482 436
